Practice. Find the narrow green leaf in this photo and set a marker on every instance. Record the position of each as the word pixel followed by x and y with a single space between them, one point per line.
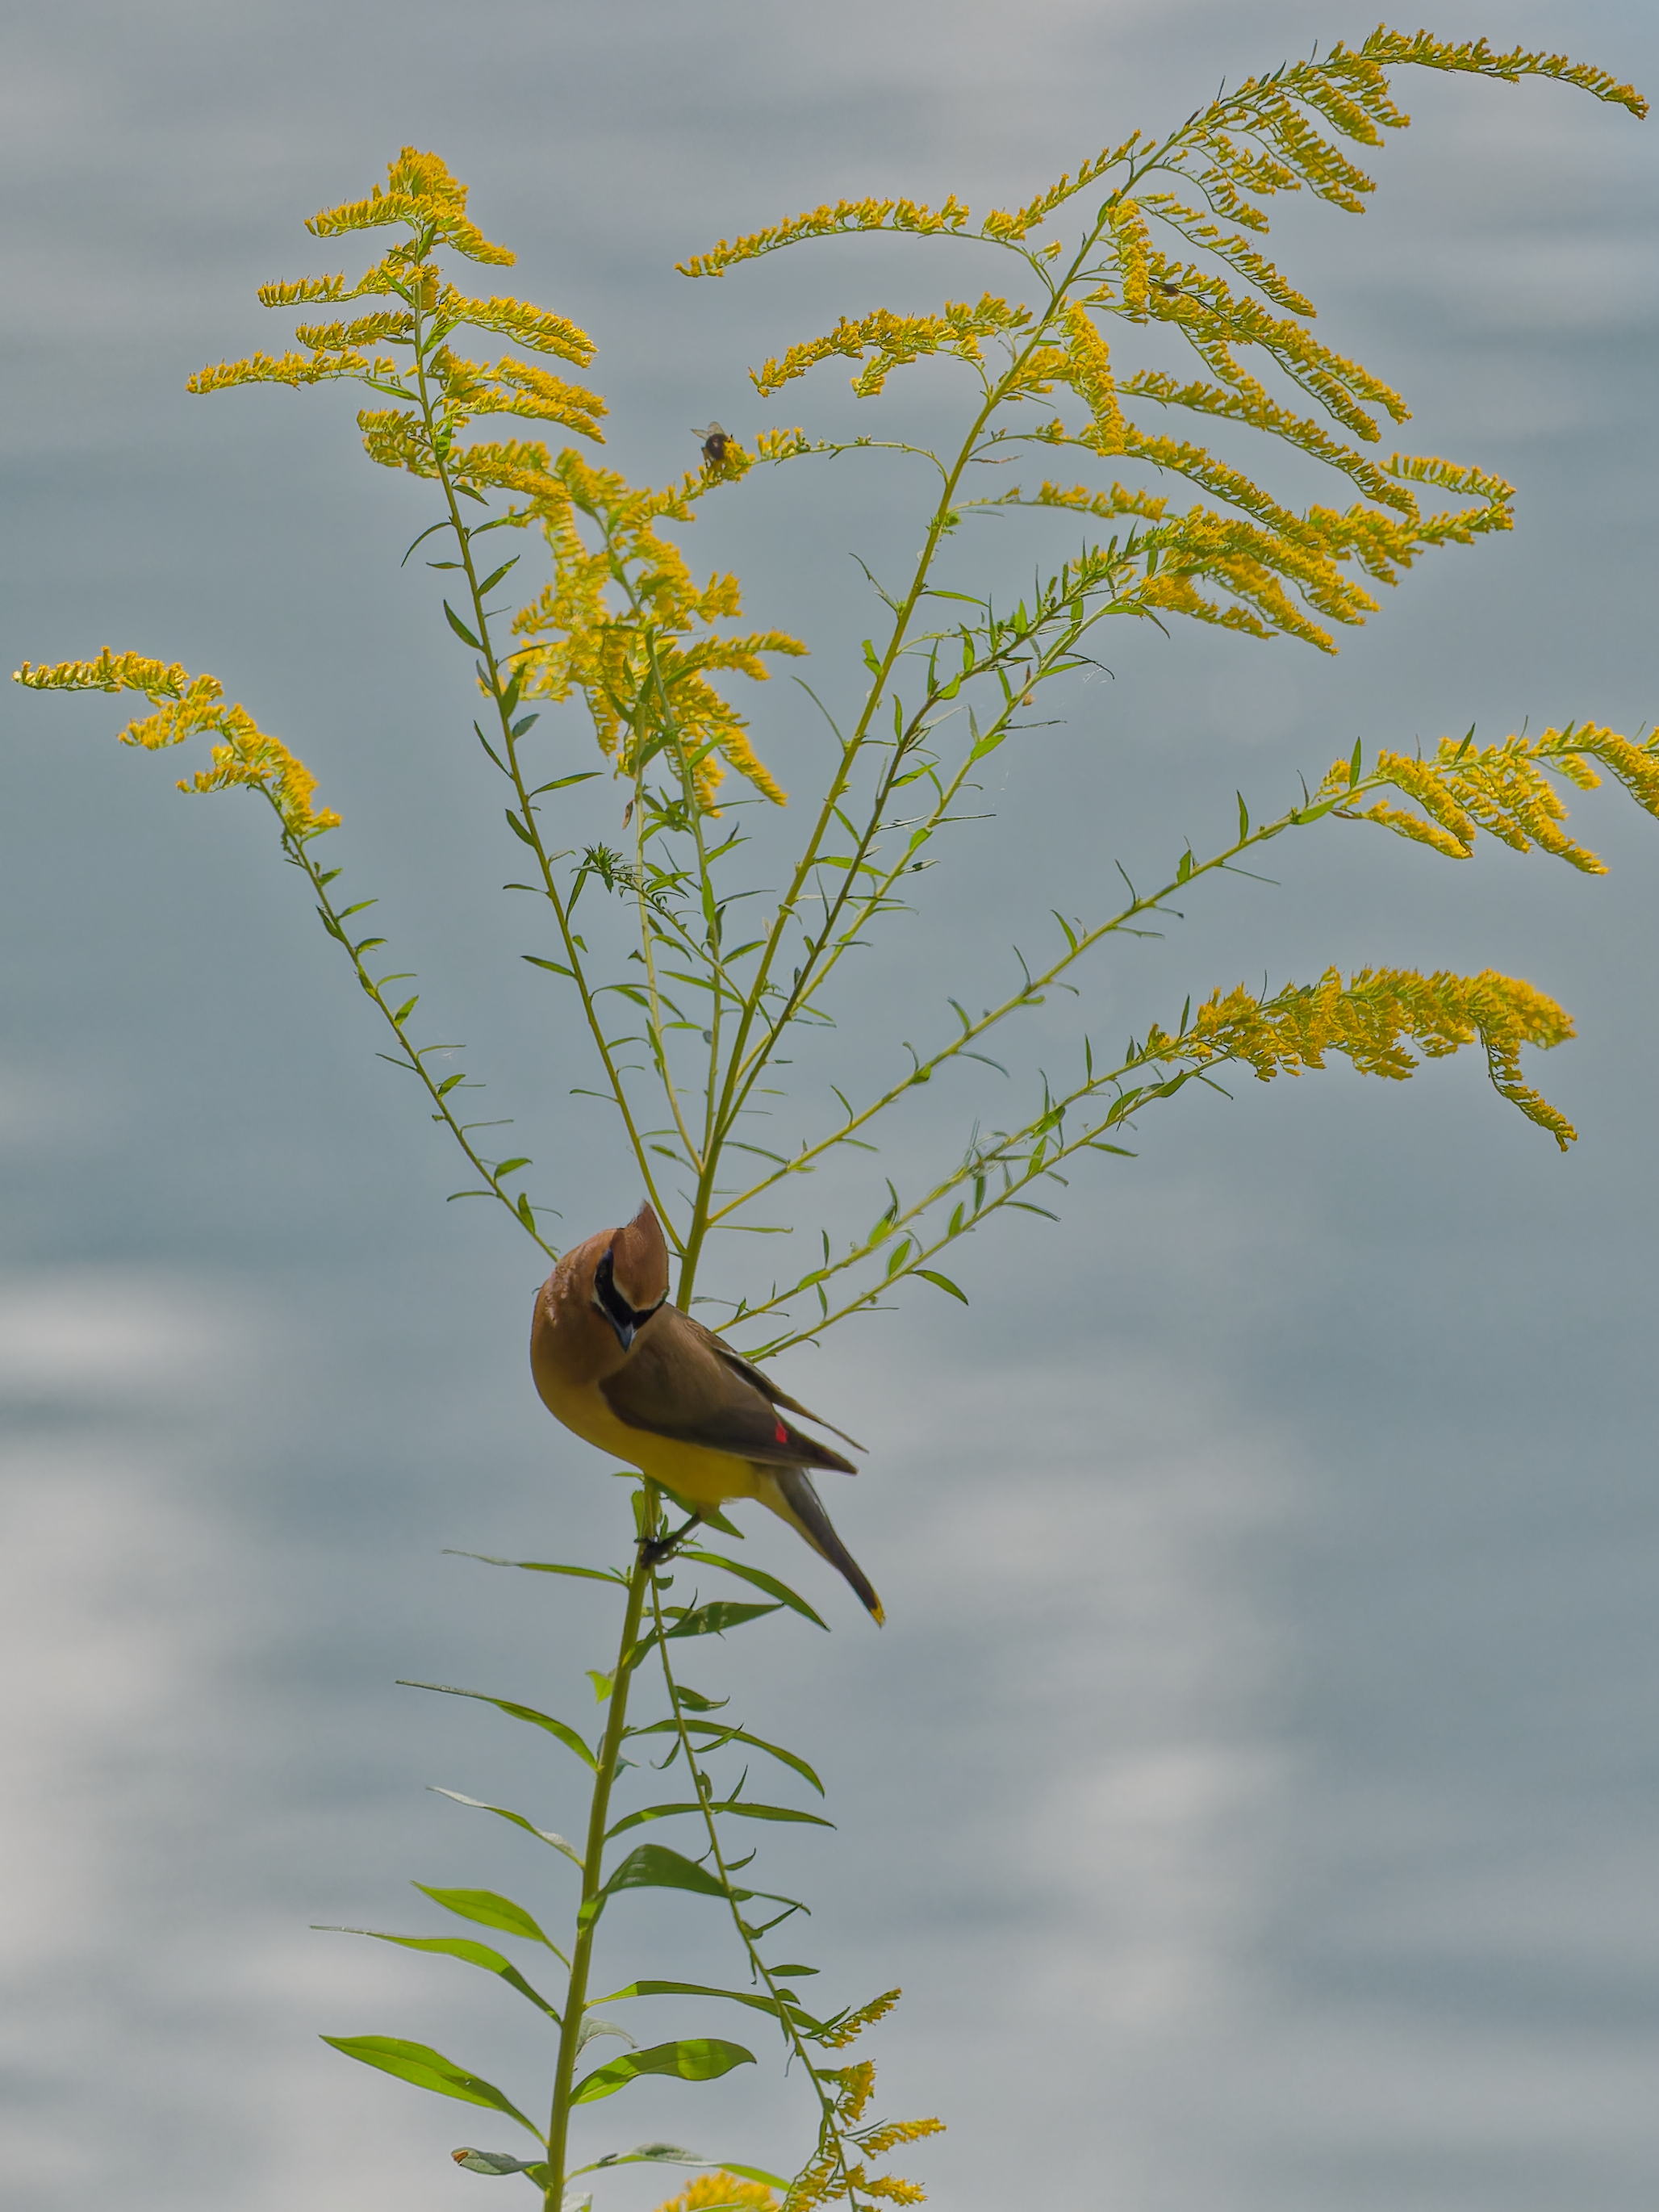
pixel 715 1617
pixel 711 1518
pixel 567 1735
pixel 460 628
pixel 943 1282
pixel 734 1735
pixel 428 2070
pixel 489 1910
pixel 667 2154
pixel 553 966
pixel 654 1866
pixel 702 2058
pixel 744 1807
pixel 768 1583
pixel 506 1813
pixel 455 1946
pixel 518 829
pixel 752 1997
pixel 541 1567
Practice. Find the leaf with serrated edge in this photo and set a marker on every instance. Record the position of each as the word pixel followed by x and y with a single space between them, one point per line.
pixel 505 1813
pixel 417 2062
pixel 697 2058
pixel 566 1734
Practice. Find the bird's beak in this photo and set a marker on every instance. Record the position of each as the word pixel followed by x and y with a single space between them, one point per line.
pixel 625 1330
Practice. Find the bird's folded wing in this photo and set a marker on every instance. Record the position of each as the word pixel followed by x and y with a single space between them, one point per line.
pixel 763 1383
pixel 674 1383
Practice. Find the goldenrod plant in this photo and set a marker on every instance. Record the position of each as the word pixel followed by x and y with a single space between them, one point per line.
pixel 692 954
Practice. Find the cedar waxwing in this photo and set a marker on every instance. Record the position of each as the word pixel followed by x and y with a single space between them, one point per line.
pixel 630 1373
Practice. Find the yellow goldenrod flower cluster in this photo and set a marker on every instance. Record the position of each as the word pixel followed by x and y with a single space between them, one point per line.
pixel 1008 225
pixel 826 222
pixel 896 339
pixel 831 2175
pixel 1502 789
pixel 440 391
pixel 1368 1021
pixel 644 668
pixel 1269 134
pixel 188 704
pixel 421 193
pixel 1386 49
pixel 722 2192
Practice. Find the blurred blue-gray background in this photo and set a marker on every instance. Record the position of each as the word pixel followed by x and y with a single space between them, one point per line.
pixel 1256 1791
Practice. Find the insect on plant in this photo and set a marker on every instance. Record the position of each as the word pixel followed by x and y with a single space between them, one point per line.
pixel 690 956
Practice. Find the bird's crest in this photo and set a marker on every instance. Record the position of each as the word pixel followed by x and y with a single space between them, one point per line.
pixel 639 1262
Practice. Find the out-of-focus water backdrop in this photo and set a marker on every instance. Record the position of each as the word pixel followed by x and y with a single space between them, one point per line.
pixel 1256 1791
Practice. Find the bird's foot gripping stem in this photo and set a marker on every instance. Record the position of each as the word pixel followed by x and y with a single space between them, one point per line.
pixel 654 1550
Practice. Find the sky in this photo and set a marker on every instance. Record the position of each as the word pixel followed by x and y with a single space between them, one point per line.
pixel 1254 1789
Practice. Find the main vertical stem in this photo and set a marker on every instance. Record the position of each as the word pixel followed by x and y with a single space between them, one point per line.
pixel 558 2126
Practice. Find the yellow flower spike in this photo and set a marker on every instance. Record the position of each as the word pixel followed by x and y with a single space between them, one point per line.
pixel 1388 49
pixel 854 2025
pixel 538 328
pixel 721 2189
pixel 1196 227
pixel 1092 379
pixel 894 340
pixel 1504 789
pixel 420 192
pixel 111 671
pixel 1008 227
pixel 1103 503
pixel 643 670
pixel 827 222
pixel 291 368
pixel 365 329
pixel 301 291
pixel 1368 1019
pixel 187 704
pixel 857 2082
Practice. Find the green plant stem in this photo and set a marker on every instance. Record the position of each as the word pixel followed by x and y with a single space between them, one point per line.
pixel 438 436
pixel 300 854
pixel 588 1916
pixel 784 2013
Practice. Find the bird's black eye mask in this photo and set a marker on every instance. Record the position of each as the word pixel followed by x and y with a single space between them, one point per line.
pixel 626 1320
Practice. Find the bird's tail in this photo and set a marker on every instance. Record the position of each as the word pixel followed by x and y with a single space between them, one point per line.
pixel 799 1502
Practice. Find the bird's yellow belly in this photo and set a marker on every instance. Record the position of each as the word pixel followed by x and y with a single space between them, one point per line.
pixel 692 1472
